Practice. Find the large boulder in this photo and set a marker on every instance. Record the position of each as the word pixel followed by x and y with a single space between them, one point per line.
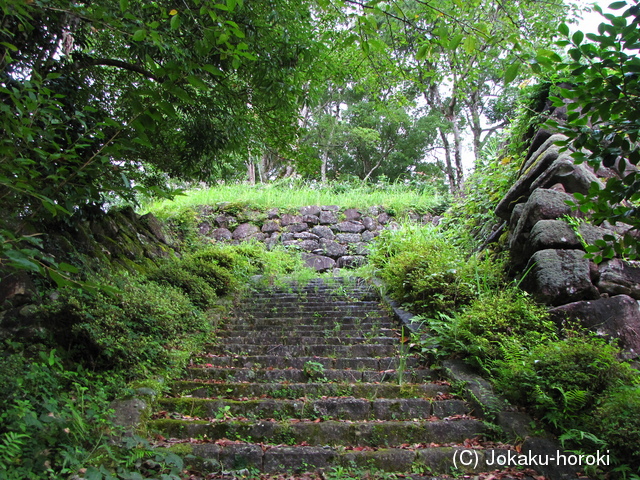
pixel 319 262
pixel 558 234
pixel 332 249
pixel 288 219
pixel 560 276
pixel 619 277
pixel 16 289
pixel 543 204
pixel 352 214
pixel 350 227
pixel 574 178
pixel 617 317
pixel 310 210
pixel 323 231
pixel 244 230
pixel 522 186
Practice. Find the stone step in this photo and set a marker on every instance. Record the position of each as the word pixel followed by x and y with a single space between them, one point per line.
pixel 319 306
pixel 278 361
pixel 295 375
pixel 295 339
pixel 302 325
pixel 227 456
pixel 319 350
pixel 337 408
pixel 233 390
pixel 310 319
pixel 307 330
pixel 292 323
pixel 330 432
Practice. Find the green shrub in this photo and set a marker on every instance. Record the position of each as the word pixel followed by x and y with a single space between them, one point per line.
pixel 144 327
pixel 617 422
pixel 561 380
pixel 494 326
pixel 422 268
pixel 51 418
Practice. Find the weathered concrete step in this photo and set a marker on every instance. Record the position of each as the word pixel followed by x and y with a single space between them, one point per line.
pixel 330 432
pixel 323 350
pixel 316 373
pixel 342 408
pixel 212 458
pixel 309 390
pixel 278 361
pixel 294 339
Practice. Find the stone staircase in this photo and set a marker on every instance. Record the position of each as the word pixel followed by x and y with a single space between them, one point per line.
pixel 311 378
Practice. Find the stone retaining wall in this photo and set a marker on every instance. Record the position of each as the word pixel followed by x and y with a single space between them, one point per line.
pixel 547 246
pixel 329 236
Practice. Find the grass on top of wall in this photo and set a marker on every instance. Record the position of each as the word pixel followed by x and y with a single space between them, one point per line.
pixel 395 197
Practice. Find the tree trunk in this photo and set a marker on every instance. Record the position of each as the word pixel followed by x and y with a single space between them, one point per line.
pixel 453 186
pixel 251 170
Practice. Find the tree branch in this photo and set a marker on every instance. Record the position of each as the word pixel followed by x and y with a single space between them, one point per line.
pixel 85 61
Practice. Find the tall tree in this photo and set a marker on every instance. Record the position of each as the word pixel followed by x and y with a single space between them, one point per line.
pixel 460 55
pixel 93 96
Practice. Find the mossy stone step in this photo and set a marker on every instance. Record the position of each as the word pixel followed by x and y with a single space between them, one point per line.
pixel 297 375
pixel 319 350
pixel 335 328
pixel 214 458
pixel 294 339
pixel 301 325
pixel 330 432
pixel 342 408
pixel 236 390
pixel 278 361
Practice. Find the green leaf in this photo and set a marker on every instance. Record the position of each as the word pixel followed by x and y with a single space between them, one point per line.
pixel 139 35
pixel 469 45
pixel 617 5
pixel 511 73
pixel 65 267
pixel 124 5
pixel 577 37
pixel 197 82
pixel 564 29
pixel 181 94
pixel 175 22
pixel 59 279
pixel 455 41
pixel 10 46
pixel 422 52
pixel 21 260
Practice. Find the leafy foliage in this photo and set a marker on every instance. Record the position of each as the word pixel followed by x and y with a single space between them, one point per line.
pixel 52 417
pixel 425 270
pixel 562 379
pixel 616 420
pixel 94 97
pixel 603 119
pixel 493 326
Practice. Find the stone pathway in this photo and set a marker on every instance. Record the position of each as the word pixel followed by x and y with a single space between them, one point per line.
pixel 314 378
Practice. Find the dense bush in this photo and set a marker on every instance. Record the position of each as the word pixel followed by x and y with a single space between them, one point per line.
pixel 423 269
pixel 617 422
pixel 144 326
pixel 51 418
pixel 492 326
pixel 561 380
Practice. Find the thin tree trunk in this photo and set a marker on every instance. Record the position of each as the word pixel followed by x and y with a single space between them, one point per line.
pixel 251 170
pixel 447 161
pixel 457 151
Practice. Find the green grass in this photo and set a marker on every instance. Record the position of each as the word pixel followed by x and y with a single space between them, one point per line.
pixel 396 198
